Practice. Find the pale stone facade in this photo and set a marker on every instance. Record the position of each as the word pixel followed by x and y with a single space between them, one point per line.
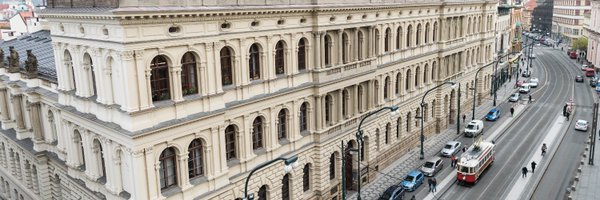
pixel 182 102
pixel 568 17
pixel 592 31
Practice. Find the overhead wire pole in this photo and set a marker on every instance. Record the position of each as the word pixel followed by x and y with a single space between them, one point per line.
pixel 593 134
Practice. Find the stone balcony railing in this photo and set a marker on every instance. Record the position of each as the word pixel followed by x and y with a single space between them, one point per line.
pixel 343 71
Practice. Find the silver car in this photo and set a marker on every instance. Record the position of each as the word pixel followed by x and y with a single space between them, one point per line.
pixel 432 166
pixel 451 148
pixel 514 97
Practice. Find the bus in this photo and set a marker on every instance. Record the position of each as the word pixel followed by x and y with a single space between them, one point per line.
pixel 474 162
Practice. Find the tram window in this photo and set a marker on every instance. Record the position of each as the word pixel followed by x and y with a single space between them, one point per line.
pixel 464 169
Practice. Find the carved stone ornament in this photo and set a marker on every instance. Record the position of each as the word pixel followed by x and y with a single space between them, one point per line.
pixel 31 64
pixel 13 60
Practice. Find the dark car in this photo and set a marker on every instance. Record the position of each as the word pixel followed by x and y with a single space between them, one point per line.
pixel 592 83
pixel 493 115
pixel 394 192
pixel 578 78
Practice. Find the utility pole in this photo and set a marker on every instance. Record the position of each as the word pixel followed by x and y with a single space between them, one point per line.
pixel 458 112
pixel 593 134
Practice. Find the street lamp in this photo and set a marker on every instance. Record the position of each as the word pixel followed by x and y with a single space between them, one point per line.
pixel 290 163
pixel 359 137
pixel 422 156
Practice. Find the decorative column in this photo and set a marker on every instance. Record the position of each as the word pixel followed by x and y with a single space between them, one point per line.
pixel 143 82
pixel 318 49
pixel 176 82
pixel 4 115
pixel 183 170
pixel 36 124
pixel 319 109
pixel 108 89
pixel 340 99
pixel 16 101
pixel 210 84
pixel 129 80
pixel 340 48
pixel 355 110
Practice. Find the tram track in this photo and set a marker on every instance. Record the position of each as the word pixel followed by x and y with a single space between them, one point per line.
pixel 537 110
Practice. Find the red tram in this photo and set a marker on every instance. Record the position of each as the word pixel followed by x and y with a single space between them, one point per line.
pixel 475 161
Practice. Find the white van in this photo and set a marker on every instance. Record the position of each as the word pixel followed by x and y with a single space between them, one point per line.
pixel 474 128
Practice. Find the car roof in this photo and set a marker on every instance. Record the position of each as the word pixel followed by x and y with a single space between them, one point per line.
pixel 452 142
pixel 581 120
pixel 494 110
pixel 434 159
pixel 392 188
pixel 414 173
pixel 475 121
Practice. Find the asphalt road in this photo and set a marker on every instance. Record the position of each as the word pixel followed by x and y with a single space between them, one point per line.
pixel 515 145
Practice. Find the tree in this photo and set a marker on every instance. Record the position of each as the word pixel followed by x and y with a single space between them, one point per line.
pixel 580 44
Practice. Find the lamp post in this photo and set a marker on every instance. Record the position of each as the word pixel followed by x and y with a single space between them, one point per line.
pixel 458 111
pixel 290 163
pixel 422 155
pixel 359 138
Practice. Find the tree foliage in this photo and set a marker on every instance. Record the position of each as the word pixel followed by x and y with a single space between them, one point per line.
pixel 580 44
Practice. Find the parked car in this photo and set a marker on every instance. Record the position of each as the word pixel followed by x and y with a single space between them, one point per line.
pixel 520 83
pixel 592 83
pixel 493 115
pixel 432 166
pixel 524 88
pixel 451 148
pixel 514 97
pixel 584 67
pixel 533 82
pixel 412 181
pixel 578 78
pixel 474 128
pixel 589 72
pixel 573 55
pixel 394 192
pixel 581 125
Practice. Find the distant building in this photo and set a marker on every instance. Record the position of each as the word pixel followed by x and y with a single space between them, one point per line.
pixel 542 17
pixel 592 32
pixel 21 24
pixel 528 13
pixel 567 22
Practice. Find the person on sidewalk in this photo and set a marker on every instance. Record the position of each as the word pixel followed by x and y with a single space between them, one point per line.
pixel 529 98
pixel 430 183
pixel 434 184
pixel 533 164
pixel 568 113
pixel 452 161
pixel 512 111
pixel 524 171
pixel 464 118
pixel 544 147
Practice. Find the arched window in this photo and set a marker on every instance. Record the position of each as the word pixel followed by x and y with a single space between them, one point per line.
pixel 427 29
pixel 398 37
pixel 226 66
pixel 68 63
pixel 306 178
pixel 418 36
pixel 285 187
pixel 408 123
pixel 408 83
pixel 302 54
pixel 388 40
pixel 328 106
pixel 398 83
pixel 377 40
pixel 425 71
pixel 280 58
pixel 360 45
pixel 195 159
pixel 377 146
pixel 417 74
pixel 304 117
pixel 79 144
pixel 345 48
pixel 230 142
pixel 159 79
pixel 89 65
pixel 257 133
pixel 332 166
pixel 254 62
pixel 327 50
pixel 262 192
pixel 345 99
pixel 168 168
pixel 388 129
pixel 282 124
pixel 386 86
pixel 189 75
pixel 52 123
pixel 99 156
pixel 434 71
pixel 409 33
pixel 376 91
pixel 435 31
pixel 398 127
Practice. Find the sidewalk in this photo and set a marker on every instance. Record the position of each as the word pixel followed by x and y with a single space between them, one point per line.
pixel 588 179
pixel 432 145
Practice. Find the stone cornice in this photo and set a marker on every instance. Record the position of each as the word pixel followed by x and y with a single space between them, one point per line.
pixel 211 13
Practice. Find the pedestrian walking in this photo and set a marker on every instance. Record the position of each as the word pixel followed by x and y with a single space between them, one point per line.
pixel 430 183
pixel 452 161
pixel 512 111
pixel 434 184
pixel 529 98
pixel 524 170
pixel 544 147
pixel 464 149
pixel 568 113
pixel 533 164
pixel 464 118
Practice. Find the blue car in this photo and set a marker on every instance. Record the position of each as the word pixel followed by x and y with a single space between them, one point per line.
pixel 493 115
pixel 412 181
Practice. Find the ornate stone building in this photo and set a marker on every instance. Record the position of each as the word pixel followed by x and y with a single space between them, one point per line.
pixel 155 100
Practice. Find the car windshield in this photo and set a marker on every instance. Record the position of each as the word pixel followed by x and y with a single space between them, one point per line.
pixel 470 126
pixel 448 146
pixel 491 113
pixel 428 165
pixel 514 95
pixel 581 123
pixel 409 178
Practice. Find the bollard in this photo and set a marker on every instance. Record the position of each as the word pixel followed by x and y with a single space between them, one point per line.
pixel 577 178
pixel 579 169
